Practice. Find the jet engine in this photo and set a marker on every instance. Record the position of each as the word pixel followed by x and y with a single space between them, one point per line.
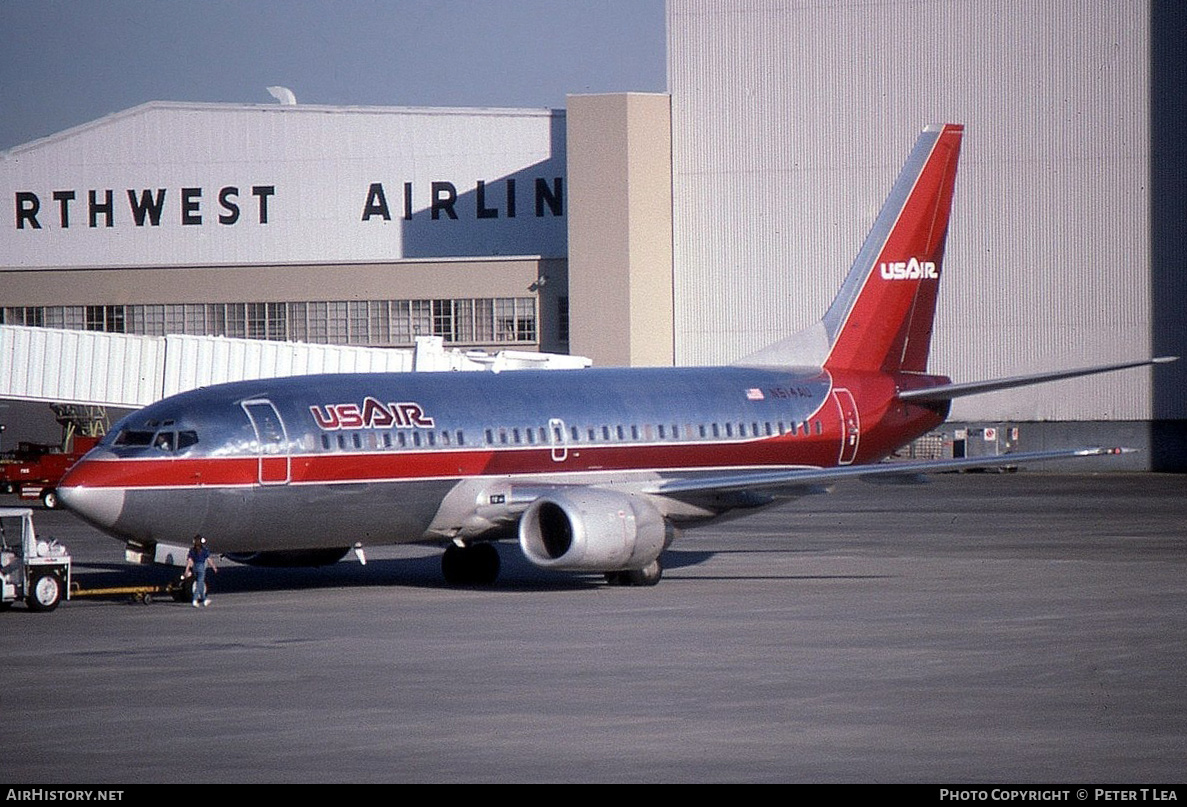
pixel 593 530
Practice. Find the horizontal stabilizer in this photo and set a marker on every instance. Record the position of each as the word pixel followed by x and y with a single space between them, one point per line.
pixel 947 392
pixel 791 478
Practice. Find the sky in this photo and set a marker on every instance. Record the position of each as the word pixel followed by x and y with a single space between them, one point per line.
pixel 68 62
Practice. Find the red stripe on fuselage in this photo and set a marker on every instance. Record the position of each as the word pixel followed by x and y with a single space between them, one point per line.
pixel 371 466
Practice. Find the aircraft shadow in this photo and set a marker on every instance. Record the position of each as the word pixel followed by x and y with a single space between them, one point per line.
pixel 517 575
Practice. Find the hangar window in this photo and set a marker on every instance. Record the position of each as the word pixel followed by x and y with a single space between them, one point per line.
pixel 422 317
pixel 381 323
pixel 33 317
pixel 443 319
pixel 109 318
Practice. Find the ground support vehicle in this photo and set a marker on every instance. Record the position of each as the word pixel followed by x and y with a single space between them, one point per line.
pixel 33 470
pixel 36 571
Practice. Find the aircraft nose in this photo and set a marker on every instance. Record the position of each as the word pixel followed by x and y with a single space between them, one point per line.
pixel 81 492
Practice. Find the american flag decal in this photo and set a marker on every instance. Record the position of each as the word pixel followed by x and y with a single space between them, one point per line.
pixel 754 394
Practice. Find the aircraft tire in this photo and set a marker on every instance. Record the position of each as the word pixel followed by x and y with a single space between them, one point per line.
pixel 484 562
pixel 475 565
pixel 649 575
pixel 49 498
pixel 45 593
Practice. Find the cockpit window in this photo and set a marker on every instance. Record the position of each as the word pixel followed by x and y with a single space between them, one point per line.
pixel 163 440
pixel 134 437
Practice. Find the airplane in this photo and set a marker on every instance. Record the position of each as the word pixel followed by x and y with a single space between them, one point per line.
pixel 591 470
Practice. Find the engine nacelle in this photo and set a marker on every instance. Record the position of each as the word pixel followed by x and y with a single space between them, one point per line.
pixel 592 530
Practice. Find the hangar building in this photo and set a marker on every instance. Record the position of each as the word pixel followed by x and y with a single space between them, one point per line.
pixel 691 227
pixel 1068 240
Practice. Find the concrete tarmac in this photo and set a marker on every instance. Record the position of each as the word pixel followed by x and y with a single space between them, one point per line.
pixel 973 629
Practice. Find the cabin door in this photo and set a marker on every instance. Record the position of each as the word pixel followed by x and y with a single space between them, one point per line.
pixel 559 439
pixel 271 440
pixel 850 425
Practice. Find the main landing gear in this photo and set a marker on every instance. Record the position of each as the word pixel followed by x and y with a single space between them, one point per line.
pixel 470 565
pixel 649 575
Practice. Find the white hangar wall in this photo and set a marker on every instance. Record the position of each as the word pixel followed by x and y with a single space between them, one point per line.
pixel 337 225
pixel 211 184
pixel 790 121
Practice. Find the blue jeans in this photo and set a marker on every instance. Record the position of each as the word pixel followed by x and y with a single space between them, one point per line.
pixel 200 582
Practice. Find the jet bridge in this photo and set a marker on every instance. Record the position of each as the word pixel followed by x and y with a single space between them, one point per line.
pixel 95 369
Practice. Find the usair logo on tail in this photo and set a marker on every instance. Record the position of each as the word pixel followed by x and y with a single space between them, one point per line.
pixel 913 269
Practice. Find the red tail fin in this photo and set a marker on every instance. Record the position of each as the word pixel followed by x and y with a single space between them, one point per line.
pixel 882 317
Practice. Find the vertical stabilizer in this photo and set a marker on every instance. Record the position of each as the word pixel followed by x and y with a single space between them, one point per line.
pixel 881 319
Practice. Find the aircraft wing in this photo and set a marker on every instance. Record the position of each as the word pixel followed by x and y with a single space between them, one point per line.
pixel 788 478
pixel 947 392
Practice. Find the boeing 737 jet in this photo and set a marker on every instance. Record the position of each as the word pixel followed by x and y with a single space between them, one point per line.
pixel 590 470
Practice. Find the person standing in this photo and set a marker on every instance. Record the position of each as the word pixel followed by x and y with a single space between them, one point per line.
pixel 195 563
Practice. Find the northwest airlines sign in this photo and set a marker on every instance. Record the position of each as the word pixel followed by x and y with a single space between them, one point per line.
pixel 232 204
pixel 285 218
